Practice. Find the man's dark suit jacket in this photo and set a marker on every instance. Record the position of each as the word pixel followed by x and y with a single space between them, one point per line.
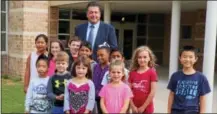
pixel 106 33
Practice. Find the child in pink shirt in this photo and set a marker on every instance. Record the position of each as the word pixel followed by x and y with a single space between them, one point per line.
pixel 115 96
pixel 55 47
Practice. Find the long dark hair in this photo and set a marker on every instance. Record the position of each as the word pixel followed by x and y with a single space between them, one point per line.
pixel 50 55
pixel 42 36
pixel 85 61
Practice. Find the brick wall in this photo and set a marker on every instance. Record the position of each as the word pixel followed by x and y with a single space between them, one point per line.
pixel 4 64
pixel 27 19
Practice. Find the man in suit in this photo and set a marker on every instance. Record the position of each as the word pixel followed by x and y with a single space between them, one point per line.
pixel 95 31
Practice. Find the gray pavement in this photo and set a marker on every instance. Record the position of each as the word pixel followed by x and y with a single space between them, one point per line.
pixel 161 97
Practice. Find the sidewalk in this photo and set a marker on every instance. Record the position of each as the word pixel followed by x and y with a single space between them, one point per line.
pixel 161 96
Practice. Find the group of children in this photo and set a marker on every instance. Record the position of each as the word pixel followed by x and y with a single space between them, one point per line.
pixel 72 82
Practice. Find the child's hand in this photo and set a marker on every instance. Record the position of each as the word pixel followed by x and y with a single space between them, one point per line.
pixel 134 109
pixel 141 109
pixel 67 112
pixel 86 112
pixel 62 96
pixel 58 97
pixel 25 89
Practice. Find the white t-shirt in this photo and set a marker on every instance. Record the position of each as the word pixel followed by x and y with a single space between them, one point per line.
pixel 36 97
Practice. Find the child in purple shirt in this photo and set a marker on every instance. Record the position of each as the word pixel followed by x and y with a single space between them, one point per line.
pixel 100 69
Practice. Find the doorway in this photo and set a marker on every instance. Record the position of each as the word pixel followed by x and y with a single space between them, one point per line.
pixel 126 33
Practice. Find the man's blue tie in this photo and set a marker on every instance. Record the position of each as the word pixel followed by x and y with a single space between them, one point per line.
pixel 90 37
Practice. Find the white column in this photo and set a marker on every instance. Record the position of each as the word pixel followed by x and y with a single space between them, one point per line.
pixel 209 49
pixel 174 37
pixel 107 12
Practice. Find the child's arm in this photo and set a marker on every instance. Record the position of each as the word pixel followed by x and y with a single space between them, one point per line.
pixel 28 99
pixel 126 105
pixel 66 98
pixel 150 97
pixel 170 102
pixel 202 104
pixel 27 74
pixel 91 98
pixel 50 93
pixel 102 105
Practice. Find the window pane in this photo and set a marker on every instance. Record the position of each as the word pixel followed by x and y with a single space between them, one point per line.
pixel 64 14
pixel 3 22
pixel 128 38
pixel 116 17
pixel 141 30
pixel 156 44
pixel 80 15
pixel 142 18
pixel 156 31
pixel 130 17
pixel 159 56
pixel 141 41
pixel 156 19
pixel 3 42
pixel 186 32
pixel 64 27
pixel 3 5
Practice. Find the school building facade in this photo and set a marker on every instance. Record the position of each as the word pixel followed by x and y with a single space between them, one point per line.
pixel 136 23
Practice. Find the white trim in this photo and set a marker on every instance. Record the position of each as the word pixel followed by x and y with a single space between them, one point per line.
pixel 35 10
pixel 174 37
pixel 63 34
pixel 210 51
pixel 26 33
pixel 64 19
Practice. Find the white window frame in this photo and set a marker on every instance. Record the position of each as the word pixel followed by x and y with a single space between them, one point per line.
pixel 6 28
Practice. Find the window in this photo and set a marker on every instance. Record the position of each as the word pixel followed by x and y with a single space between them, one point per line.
pixel 186 32
pixel 4 26
pixel 79 14
pixel 156 19
pixel 64 26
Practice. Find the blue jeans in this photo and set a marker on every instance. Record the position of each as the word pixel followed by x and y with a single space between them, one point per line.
pixel 57 110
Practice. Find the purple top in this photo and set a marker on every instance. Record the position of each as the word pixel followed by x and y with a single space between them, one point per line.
pixel 98 74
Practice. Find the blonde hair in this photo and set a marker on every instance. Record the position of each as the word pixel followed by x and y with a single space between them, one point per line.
pixel 117 63
pixel 134 62
pixel 62 56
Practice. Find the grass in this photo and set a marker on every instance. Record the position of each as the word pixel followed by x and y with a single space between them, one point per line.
pixel 12 95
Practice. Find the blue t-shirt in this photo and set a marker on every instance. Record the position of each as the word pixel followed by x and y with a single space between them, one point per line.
pixel 187 90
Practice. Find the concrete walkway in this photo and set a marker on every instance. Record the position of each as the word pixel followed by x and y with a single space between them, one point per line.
pixel 162 93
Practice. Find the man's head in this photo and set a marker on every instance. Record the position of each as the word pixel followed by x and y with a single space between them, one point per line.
pixel 93 12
